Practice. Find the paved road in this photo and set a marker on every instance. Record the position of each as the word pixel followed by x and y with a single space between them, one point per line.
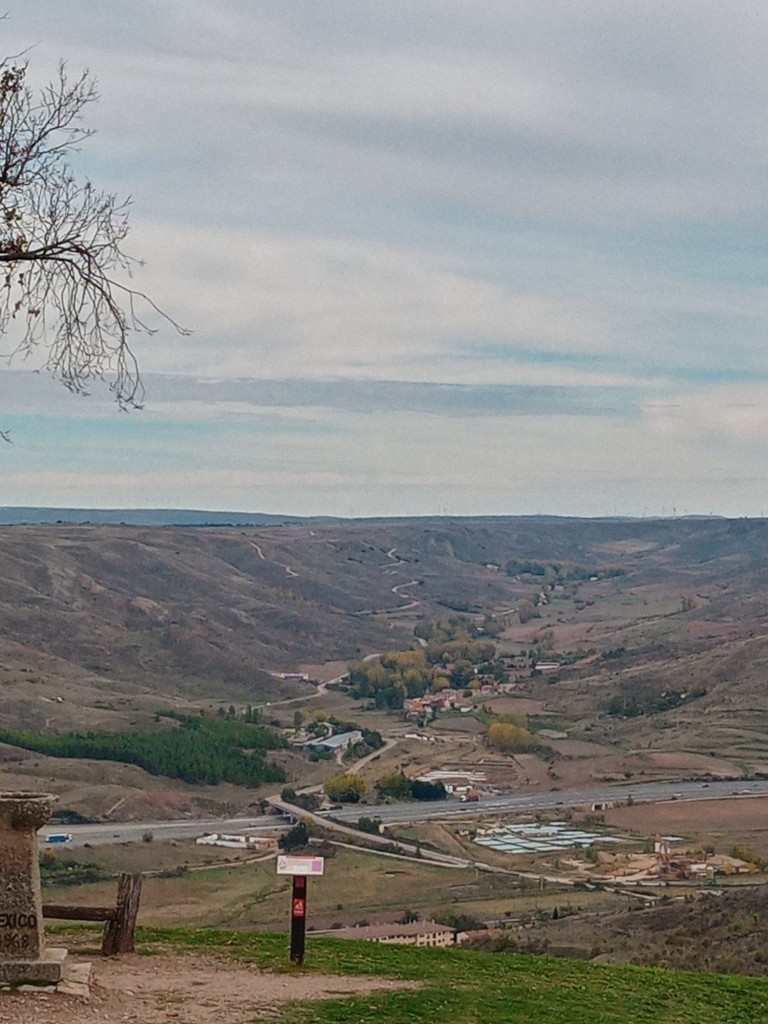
pixel 647 792
pixel 414 812
pixel 132 831
pixel 382 842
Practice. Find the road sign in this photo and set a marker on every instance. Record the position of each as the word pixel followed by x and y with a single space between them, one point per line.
pixel 298 917
pixel 300 865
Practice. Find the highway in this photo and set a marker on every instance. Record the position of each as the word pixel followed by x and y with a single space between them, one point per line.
pixel 133 831
pixel 406 813
pixel 648 792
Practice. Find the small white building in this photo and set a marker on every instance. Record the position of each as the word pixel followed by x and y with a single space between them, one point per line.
pixel 238 842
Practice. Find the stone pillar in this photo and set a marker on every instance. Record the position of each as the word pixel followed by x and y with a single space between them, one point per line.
pixel 23 956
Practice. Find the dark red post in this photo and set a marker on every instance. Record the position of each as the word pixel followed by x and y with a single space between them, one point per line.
pixel 298 918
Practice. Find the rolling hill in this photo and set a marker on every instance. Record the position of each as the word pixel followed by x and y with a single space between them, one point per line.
pixel 661 625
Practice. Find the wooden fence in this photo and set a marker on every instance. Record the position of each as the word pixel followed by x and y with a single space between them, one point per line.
pixel 120 920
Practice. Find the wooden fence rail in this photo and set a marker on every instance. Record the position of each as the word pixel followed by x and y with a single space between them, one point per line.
pixel 120 920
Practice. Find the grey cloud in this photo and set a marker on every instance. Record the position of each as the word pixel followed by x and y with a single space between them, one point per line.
pixel 634 108
pixel 382 396
pixel 250 112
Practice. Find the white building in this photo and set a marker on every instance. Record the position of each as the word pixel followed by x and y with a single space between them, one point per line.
pixel 238 842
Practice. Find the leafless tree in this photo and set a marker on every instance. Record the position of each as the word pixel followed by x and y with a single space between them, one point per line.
pixel 64 277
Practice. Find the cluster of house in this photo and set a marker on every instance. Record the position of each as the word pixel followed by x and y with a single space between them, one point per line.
pixel 453 700
pixel 415 933
pixel 431 703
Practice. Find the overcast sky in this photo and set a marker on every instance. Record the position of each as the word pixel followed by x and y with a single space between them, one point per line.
pixel 456 256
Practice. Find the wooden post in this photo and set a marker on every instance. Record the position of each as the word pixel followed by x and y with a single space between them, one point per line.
pixel 119 932
pixel 298 918
pixel 299 868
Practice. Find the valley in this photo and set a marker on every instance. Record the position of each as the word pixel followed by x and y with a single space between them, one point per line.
pixel 631 653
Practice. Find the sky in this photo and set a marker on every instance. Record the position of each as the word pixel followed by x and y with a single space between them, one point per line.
pixel 437 257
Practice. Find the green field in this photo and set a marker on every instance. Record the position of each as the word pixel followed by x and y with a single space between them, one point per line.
pixel 476 988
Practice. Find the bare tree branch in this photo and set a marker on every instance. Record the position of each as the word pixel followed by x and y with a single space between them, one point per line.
pixel 63 271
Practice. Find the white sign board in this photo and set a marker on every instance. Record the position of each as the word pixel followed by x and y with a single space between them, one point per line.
pixel 300 865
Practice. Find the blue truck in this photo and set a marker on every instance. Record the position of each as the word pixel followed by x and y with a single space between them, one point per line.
pixel 59 837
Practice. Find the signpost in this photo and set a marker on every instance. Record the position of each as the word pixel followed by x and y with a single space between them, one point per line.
pixel 300 865
pixel 299 868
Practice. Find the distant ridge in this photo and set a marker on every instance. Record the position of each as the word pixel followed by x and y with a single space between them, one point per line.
pixel 21 515
pixel 31 515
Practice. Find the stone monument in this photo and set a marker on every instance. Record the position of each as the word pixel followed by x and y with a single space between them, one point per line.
pixel 23 956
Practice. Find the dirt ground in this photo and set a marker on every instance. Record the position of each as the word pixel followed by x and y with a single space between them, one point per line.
pixel 188 989
pixel 516 706
pixel 740 819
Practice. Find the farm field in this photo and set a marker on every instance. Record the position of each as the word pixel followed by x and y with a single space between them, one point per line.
pixel 737 821
pixel 356 886
pixel 187 884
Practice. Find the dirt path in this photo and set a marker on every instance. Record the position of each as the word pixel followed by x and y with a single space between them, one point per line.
pixel 192 989
pixel 288 570
pixel 319 691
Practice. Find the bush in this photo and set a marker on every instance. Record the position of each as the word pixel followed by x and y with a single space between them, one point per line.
pixel 347 788
pixel 296 839
pixel 509 737
pixel 428 790
pixel 395 785
pixel 371 825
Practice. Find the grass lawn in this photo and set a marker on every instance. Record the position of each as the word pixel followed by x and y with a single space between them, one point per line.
pixel 475 988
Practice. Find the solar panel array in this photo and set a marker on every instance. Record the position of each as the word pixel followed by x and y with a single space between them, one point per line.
pixel 539 838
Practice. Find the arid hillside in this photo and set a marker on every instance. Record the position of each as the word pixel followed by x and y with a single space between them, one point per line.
pixel 658 629
pixel 721 931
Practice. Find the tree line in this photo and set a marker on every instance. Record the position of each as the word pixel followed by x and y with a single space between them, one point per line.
pixel 397 786
pixel 197 749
